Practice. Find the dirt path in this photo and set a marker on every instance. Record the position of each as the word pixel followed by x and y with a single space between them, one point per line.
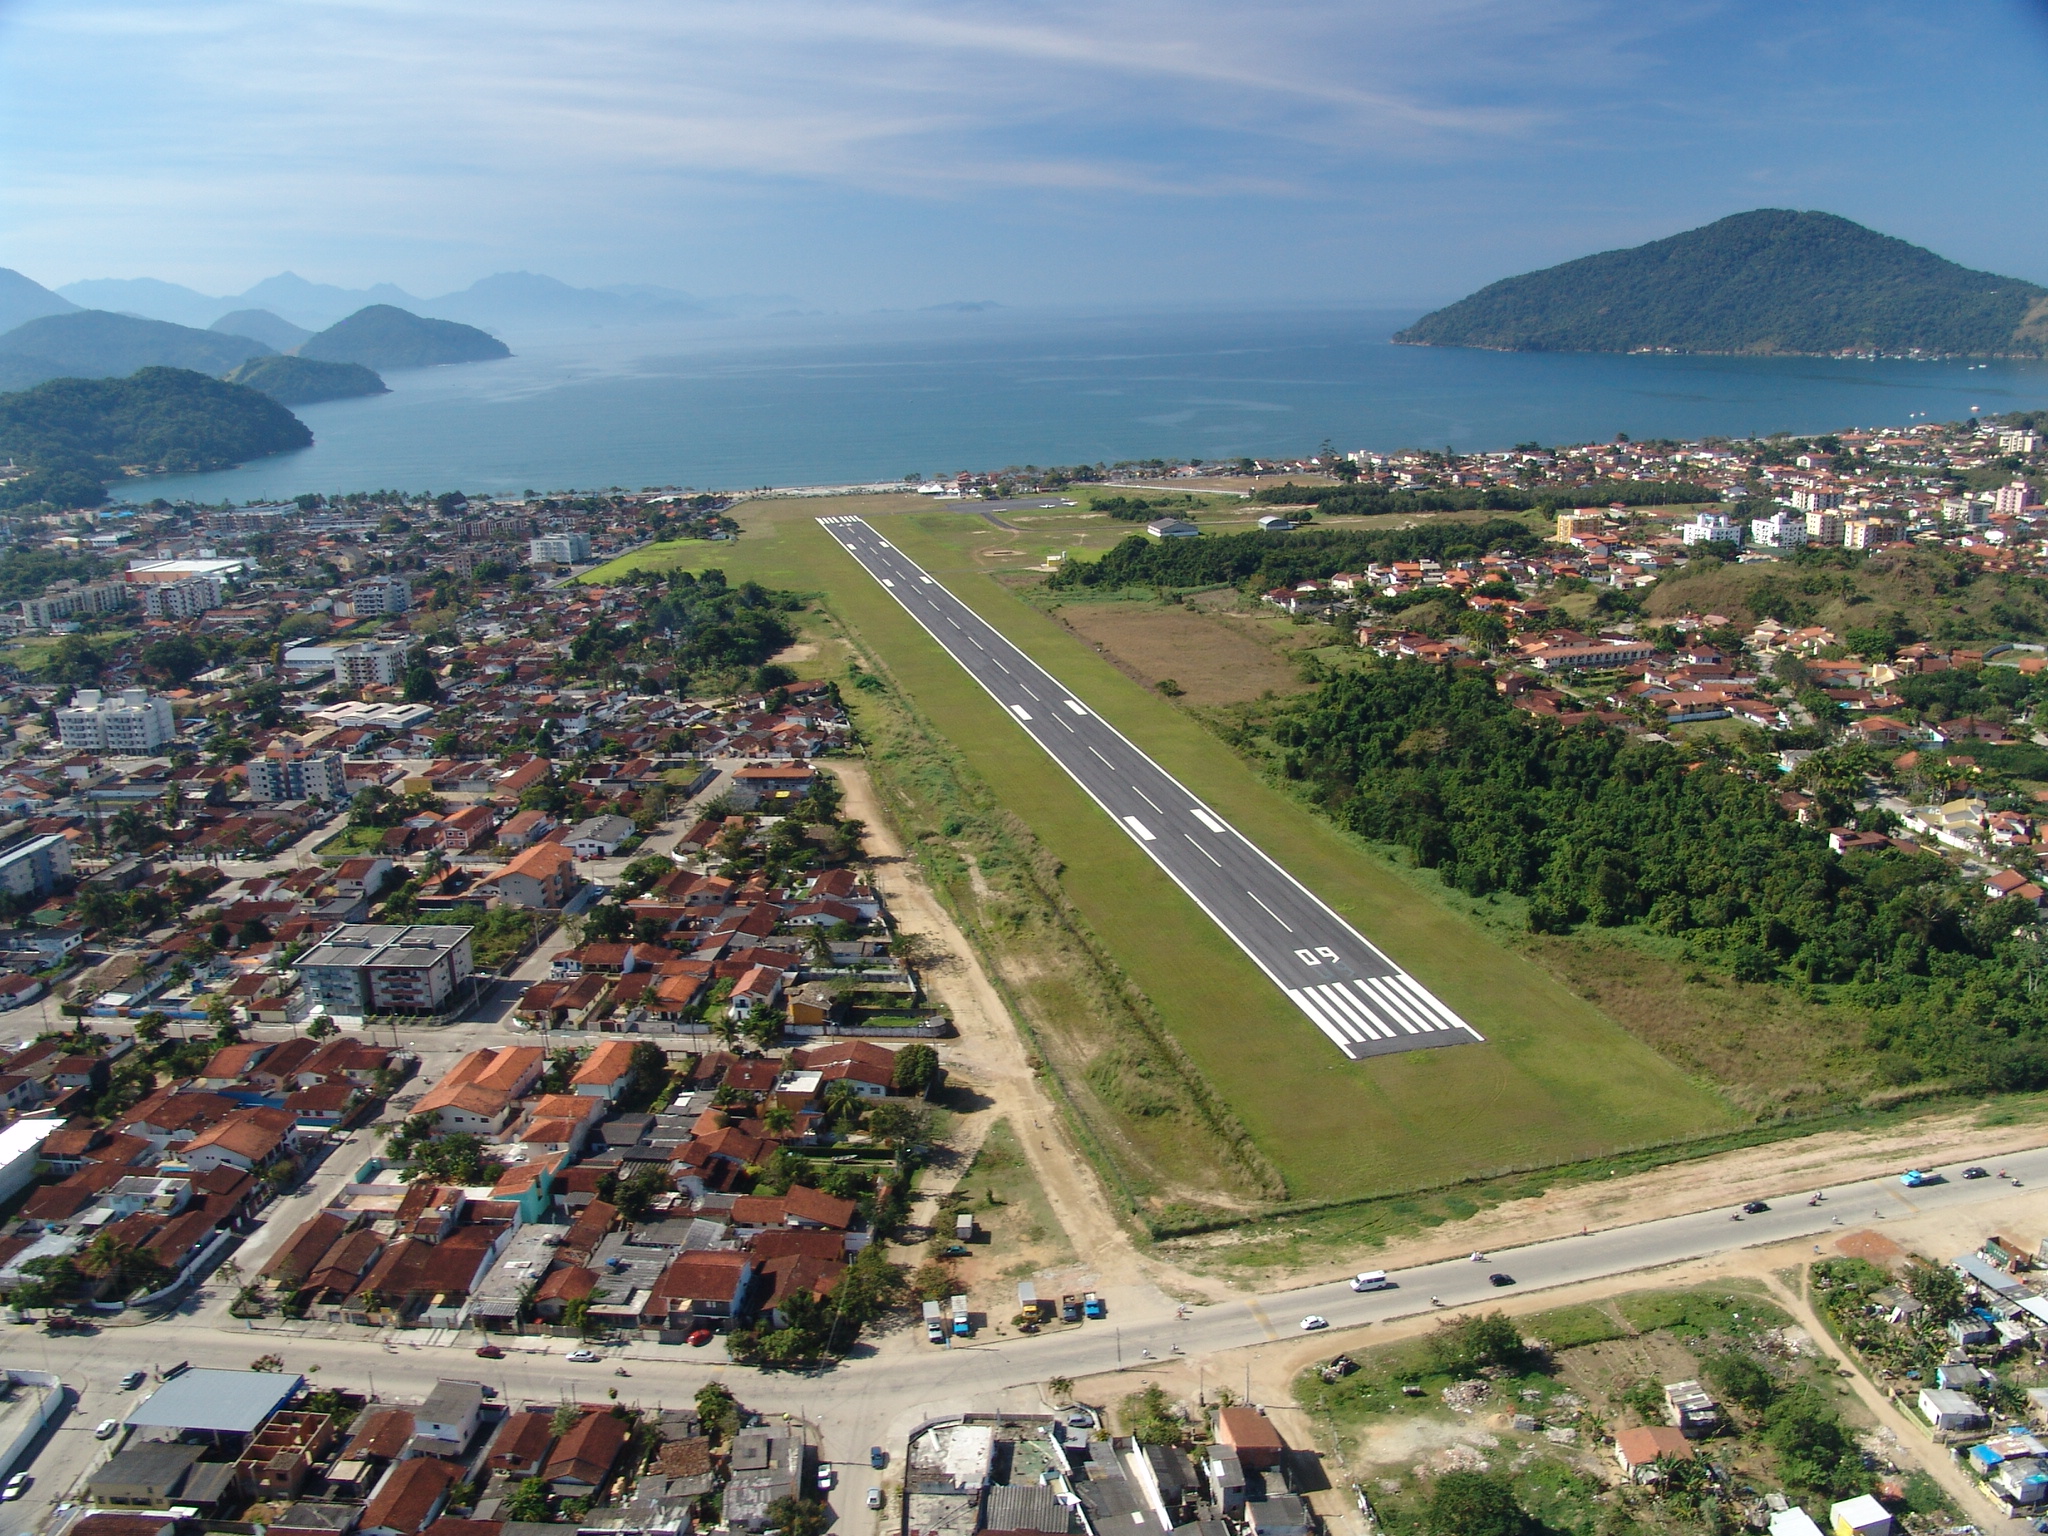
pixel 989 1054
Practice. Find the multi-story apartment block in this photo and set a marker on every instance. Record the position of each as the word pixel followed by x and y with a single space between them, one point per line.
pixel 562 548
pixel 185 599
pixel 364 968
pixel 1781 530
pixel 2013 499
pixel 1868 532
pixel 134 722
pixel 380 595
pixel 34 867
pixel 1711 528
pixel 68 600
pixel 287 771
pixel 2020 441
pixel 373 661
pixel 1823 527
pixel 1815 498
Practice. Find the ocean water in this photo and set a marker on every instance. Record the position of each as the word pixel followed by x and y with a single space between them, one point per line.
pixel 811 400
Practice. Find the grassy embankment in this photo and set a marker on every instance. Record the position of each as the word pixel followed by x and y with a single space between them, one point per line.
pixel 1557 1083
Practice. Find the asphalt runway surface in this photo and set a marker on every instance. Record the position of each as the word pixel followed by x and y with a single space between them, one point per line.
pixel 1364 1003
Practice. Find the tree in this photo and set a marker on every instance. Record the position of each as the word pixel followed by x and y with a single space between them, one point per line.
pixel 1813 1449
pixel 842 1102
pixel 917 1065
pixel 575 1314
pixel 1937 1288
pixel 607 924
pixel 1060 1389
pixel 933 1281
pixel 322 1028
pixel 567 1416
pixel 176 659
pixel 778 1119
pixel 797 1516
pixel 717 1410
pixel 1741 1380
pixel 150 1028
pixel 527 1501
pixel 1152 1419
pixel 1476 1504
pixel 270 1364
pixel 898 1124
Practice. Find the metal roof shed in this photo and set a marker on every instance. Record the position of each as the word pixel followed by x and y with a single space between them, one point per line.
pixel 225 1402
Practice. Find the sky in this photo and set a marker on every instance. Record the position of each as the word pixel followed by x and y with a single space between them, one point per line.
pixel 871 153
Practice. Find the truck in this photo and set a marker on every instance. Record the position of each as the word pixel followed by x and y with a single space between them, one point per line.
pixel 1070 1309
pixel 934 1326
pixel 960 1325
pixel 1028 1305
pixel 1091 1305
pixel 963 1228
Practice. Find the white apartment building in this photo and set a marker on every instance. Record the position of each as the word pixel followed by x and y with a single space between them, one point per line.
pixel 289 772
pixel 67 600
pixel 373 661
pixel 1815 498
pixel 133 723
pixel 1781 530
pixel 1711 528
pixel 2017 442
pixel 185 599
pixel 1868 532
pixel 1823 527
pixel 561 548
pixel 33 867
pixel 1966 511
pixel 380 595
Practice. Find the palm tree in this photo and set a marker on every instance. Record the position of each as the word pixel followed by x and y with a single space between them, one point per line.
pixel 1060 1389
pixel 778 1119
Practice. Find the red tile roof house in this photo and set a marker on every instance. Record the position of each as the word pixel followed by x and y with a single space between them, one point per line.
pixel 526 828
pixel 759 989
pixel 583 1458
pixel 466 828
pixel 249 1139
pixel 697 1290
pixel 410 1496
pixel 605 1072
pixel 520 1448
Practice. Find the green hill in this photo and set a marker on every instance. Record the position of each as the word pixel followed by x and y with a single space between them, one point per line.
pixel 80 432
pixel 385 336
pixel 306 381
pixel 1762 282
pixel 99 344
pixel 261 325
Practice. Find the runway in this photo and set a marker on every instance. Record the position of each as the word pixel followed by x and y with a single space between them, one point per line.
pixel 1362 1002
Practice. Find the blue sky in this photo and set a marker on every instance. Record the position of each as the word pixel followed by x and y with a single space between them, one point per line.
pixel 859 153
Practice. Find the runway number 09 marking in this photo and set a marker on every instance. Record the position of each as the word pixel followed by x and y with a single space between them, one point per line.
pixel 1316 956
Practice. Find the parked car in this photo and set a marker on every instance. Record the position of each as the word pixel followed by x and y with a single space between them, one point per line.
pixel 17 1485
pixel 826 1478
pixel 699 1337
pixel 581 1356
pixel 108 1428
pixel 1312 1322
pixel 133 1380
pixel 1499 1278
pixel 1754 1208
pixel 877 1457
pixel 489 1352
pixel 874 1498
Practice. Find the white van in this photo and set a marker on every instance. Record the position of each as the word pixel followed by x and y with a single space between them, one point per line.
pixel 1372 1280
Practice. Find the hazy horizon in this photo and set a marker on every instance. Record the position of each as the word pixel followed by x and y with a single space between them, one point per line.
pixel 901 153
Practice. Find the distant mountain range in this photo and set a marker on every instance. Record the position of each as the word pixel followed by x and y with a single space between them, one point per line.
pixel 504 301
pixel 1771 281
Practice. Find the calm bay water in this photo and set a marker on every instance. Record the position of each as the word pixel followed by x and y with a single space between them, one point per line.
pixel 818 400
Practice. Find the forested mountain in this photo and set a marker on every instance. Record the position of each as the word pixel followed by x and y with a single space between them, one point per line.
pixel 1768 281
pixel 23 299
pixel 96 343
pixel 261 324
pixel 383 336
pixel 307 381
pixel 80 432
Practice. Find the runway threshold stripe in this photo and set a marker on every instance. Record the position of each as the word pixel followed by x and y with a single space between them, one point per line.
pixel 1314 1010
pixel 1206 819
pixel 1363 1024
pixel 1375 989
pixel 1020 711
pixel 1137 826
pixel 1442 1010
pixel 1399 1006
pixel 1417 999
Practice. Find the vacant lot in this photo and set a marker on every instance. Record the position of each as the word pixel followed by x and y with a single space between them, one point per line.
pixel 1212 660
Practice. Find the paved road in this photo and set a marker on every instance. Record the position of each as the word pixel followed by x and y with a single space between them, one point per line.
pixel 1360 999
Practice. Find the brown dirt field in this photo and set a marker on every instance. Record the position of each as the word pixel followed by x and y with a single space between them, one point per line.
pixel 1873 1247
pixel 1213 660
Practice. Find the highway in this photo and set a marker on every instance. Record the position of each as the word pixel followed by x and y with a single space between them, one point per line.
pixel 892 1384
pixel 1364 1003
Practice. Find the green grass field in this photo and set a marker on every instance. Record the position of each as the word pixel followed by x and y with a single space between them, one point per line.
pixel 1557 1081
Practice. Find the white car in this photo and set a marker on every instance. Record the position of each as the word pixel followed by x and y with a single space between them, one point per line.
pixel 874 1498
pixel 1312 1322
pixel 826 1477
pixel 581 1356
pixel 17 1485
pixel 108 1428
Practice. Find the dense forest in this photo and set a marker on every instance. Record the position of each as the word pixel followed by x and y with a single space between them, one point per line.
pixel 384 336
pixel 1593 827
pixel 1767 281
pixel 1272 558
pixel 1371 500
pixel 305 381
pixel 97 344
pixel 79 432
pixel 699 624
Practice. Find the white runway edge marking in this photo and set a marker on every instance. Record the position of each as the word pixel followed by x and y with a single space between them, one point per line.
pixel 1205 853
pixel 1020 711
pixel 1345 1016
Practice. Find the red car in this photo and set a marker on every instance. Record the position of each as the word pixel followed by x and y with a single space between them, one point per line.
pixel 700 1337
pixel 490 1352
